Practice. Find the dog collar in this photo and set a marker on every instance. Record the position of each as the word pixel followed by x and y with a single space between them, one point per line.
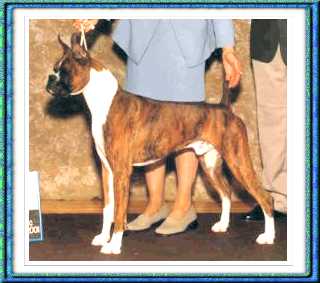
pixel 79 91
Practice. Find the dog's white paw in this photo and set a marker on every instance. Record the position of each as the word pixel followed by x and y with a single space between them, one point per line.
pixel 265 239
pixel 100 240
pixel 110 248
pixel 219 227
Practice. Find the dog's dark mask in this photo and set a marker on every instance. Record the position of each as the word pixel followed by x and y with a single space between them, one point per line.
pixel 72 70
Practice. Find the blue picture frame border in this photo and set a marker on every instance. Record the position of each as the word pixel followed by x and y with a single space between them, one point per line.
pixel 6 141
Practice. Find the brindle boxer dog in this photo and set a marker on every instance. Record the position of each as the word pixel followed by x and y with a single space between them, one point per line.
pixel 130 130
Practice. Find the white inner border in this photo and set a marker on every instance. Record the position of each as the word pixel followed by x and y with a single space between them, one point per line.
pixel 296 146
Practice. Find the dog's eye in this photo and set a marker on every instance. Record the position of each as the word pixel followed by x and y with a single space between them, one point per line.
pixel 62 70
pixel 82 60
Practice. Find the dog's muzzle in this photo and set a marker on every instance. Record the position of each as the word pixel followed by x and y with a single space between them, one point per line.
pixel 55 87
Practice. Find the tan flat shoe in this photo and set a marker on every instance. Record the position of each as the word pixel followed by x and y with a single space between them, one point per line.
pixel 174 226
pixel 143 222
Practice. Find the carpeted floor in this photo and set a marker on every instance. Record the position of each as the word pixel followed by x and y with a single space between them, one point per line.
pixel 68 237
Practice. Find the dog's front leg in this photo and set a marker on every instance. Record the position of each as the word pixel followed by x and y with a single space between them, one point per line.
pixel 122 181
pixel 108 210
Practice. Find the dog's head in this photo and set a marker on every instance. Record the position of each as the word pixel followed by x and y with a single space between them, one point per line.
pixel 71 71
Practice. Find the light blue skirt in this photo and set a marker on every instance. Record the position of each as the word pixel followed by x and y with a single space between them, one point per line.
pixel 162 74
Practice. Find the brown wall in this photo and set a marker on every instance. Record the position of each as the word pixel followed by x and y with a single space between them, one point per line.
pixel 60 142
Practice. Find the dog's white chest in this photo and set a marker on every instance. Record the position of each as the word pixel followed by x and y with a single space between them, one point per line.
pixel 99 94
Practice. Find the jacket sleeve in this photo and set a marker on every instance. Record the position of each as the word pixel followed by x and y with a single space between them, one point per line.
pixel 223 31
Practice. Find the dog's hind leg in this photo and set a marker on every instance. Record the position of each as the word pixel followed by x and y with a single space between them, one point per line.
pixel 108 210
pixel 237 156
pixel 122 181
pixel 211 164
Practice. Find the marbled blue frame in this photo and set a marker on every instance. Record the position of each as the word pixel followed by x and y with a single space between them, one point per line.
pixel 311 126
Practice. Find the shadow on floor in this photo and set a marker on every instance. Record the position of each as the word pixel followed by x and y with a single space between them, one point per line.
pixel 68 237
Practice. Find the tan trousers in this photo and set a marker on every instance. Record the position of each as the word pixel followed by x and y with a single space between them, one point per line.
pixel 271 90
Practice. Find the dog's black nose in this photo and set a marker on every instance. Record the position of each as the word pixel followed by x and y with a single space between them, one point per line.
pixel 52 78
pixel 51 84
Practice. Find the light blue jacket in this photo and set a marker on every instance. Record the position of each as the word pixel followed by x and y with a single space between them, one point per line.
pixel 197 39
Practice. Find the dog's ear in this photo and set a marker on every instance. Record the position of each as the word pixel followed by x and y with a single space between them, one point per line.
pixel 78 52
pixel 75 39
pixel 64 46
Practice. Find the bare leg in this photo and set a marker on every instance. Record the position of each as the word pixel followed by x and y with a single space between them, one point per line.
pixel 183 215
pixel 155 210
pixel 155 178
pixel 187 165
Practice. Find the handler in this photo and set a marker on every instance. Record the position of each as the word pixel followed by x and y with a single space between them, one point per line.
pixel 268 44
pixel 166 62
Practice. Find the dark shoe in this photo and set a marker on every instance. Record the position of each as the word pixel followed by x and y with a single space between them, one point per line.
pixel 279 215
pixel 256 214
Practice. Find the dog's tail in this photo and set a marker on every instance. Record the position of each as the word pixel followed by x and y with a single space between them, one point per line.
pixel 226 99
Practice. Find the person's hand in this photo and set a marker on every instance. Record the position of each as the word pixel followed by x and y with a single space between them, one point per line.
pixel 87 24
pixel 231 67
